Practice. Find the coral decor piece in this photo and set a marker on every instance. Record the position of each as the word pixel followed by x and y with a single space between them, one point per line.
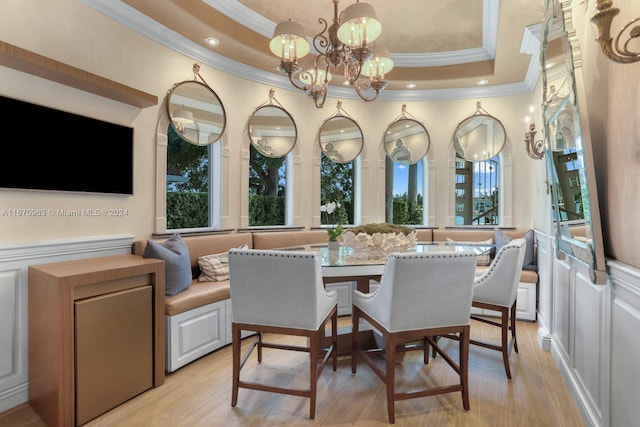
pixel 374 241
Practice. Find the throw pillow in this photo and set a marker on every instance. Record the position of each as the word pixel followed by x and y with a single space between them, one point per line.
pixel 484 259
pixel 215 267
pixel 175 254
pixel 529 253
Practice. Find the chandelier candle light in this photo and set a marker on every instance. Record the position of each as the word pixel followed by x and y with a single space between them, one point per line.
pixel 349 42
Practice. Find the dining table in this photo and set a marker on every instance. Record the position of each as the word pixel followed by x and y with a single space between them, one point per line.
pixel 361 265
pixel 364 265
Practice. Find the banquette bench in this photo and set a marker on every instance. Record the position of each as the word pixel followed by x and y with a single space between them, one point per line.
pixel 198 319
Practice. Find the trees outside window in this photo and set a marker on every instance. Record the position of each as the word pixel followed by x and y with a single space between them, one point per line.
pixel 404 196
pixel 337 185
pixel 267 189
pixel 188 183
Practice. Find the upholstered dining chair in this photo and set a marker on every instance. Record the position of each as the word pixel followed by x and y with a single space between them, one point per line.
pixel 497 289
pixel 280 292
pixel 420 296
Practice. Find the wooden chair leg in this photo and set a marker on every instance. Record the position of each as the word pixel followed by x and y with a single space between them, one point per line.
pixel 235 347
pixel 355 323
pixel 513 326
pixel 314 344
pixel 464 366
pixel 425 353
pixel 390 377
pixel 505 341
pixel 334 340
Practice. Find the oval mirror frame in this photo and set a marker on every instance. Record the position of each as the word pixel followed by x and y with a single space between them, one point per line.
pixel 272 131
pixel 479 137
pixel 406 141
pixel 341 139
pixel 196 112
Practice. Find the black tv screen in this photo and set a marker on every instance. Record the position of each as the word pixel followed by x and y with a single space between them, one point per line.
pixel 48 149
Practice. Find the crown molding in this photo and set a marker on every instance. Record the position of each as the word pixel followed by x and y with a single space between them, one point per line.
pixel 126 15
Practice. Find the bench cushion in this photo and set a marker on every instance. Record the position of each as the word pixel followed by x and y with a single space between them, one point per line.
pixel 198 295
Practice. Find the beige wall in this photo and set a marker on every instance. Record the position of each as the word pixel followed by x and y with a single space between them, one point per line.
pixel 77 35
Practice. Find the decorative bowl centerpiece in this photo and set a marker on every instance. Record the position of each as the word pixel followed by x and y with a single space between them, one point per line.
pixel 374 241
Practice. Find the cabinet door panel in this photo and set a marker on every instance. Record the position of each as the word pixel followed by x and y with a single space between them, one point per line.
pixel 114 350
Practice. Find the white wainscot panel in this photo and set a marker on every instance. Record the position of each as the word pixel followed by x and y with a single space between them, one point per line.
pixel 589 329
pixel 14 307
pixel 561 305
pixel 544 278
pixel 12 338
pixel 625 345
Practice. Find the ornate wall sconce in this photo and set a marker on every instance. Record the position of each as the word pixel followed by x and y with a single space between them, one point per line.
pixel 535 149
pixel 602 19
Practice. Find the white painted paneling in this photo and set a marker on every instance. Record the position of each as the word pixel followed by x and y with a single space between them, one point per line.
pixel 544 277
pixel 561 305
pixel 587 349
pixel 625 345
pixel 8 321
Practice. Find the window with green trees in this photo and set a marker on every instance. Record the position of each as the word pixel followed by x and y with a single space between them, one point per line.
pixel 404 195
pixel 337 184
pixel 188 182
pixel 267 189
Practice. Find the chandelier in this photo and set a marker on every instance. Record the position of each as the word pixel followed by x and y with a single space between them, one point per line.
pixel 348 42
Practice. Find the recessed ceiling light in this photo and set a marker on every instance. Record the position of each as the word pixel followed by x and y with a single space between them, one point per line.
pixel 549 65
pixel 483 82
pixel 411 86
pixel 212 41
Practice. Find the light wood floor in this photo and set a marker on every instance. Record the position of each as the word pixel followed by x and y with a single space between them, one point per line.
pixel 199 394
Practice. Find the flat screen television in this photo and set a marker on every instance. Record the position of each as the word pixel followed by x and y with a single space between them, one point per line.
pixel 48 149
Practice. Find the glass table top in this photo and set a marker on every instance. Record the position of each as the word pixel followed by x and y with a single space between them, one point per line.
pixel 348 256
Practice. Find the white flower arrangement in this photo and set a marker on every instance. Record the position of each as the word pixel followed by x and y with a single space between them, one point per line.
pixel 329 209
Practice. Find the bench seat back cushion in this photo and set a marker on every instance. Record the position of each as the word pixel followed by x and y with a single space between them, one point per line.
pixel 284 239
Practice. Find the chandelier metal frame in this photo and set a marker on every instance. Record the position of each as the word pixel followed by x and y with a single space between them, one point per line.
pixel 356 60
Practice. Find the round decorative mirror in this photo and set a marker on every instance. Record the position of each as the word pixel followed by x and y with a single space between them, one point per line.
pixel 406 141
pixel 479 137
pixel 272 131
pixel 196 112
pixel 341 139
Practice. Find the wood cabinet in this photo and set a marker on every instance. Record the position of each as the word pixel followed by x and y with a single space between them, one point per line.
pixel 96 335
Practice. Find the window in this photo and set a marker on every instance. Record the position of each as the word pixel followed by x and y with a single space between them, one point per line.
pixel 267 189
pixel 188 183
pixel 404 192
pixel 476 191
pixel 337 184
